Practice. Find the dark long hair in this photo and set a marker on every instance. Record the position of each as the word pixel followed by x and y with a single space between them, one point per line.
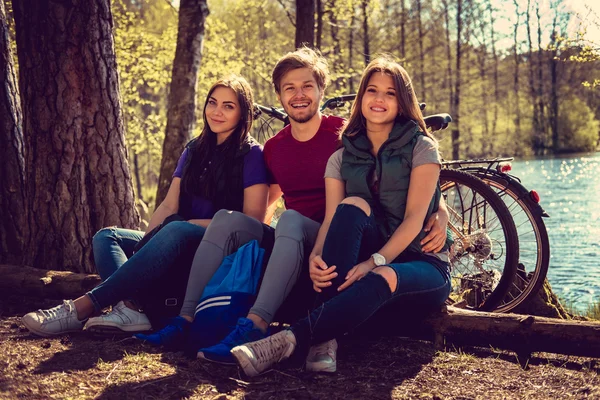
pixel 407 99
pixel 205 158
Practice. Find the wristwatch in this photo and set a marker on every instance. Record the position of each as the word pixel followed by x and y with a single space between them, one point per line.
pixel 378 259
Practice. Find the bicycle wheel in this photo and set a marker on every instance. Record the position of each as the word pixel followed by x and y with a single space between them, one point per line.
pixel 534 247
pixel 486 250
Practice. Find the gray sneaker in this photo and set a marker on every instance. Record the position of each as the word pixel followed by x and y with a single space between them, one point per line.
pixel 121 319
pixel 257 357
pixel 322 357
pixel 54 321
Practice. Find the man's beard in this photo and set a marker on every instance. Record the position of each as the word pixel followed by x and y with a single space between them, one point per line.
pixel 302 120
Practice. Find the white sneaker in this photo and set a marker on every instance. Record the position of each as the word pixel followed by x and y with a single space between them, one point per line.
pixel 322 357
pixel 120 319
pixel 54 321
pixel 257 357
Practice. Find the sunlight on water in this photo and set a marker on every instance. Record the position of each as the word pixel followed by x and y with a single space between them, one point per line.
pixel 569 189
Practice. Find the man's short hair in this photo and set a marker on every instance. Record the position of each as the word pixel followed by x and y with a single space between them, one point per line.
pixel 302 58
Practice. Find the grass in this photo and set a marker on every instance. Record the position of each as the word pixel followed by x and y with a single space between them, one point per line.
pixel 386 367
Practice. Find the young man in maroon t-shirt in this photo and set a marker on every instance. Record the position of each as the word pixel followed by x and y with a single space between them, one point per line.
pixel 296 159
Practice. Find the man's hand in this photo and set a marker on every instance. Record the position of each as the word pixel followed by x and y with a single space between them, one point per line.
pixel 436 238
pixel 320 274
pixel 357 272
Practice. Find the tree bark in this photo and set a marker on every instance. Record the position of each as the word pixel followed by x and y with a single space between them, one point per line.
pixel 319 35
pixel 516 73
pixel 540 81
pixel 537 142
pixel 366 48
pixel 35 282
pixel 181 112
pixel 351 51
pixel 496 82
pixel 523 334
pixel 305 23
pixel 402 29
pixel 335 40
pixel 13 210
pixel 457 82
pixel 422 95
pixel 78 178
pixel 449 83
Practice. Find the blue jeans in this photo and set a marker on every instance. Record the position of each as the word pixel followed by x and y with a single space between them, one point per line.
pixel 112 247
pixel 423 282
pixel 175 243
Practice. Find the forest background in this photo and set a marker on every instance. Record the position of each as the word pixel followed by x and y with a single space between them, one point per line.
pixel 518 77
pixel 519 91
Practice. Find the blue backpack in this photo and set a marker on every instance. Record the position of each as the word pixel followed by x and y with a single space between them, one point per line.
pixel 228 296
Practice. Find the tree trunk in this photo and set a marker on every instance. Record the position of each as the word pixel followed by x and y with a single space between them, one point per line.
pixel 305 23
pixel 449 83
pixel 422 95
pixel 522 334
pixel 402 29
pixel 181 112
pixel 496 83
pixel 516 74
pixel 319 6
pixel 35 282
pixel 457 81
pixel 536 134
pixel 366 49
pixel 13 210
pixel 540 81
pixel 351 51
pixel 78 178
pixel 335 40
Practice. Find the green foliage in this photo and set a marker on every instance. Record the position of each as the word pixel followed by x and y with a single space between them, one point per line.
pixel 247 37
pixel 145 39
pixel 577 126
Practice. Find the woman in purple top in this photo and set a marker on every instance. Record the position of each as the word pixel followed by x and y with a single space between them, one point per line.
pixel 223 168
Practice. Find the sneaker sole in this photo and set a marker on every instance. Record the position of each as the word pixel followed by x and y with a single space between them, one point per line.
pixel 245 363
pixel 114 330
pixel 49 334
pixel 321 367
pixel 200 355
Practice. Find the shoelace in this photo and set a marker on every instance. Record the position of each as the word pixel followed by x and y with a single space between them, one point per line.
pixel 325 348
pixel 265 350
pixel 56 312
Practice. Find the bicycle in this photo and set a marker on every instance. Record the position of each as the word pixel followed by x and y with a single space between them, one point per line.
pixel 486 250
pixel 527 213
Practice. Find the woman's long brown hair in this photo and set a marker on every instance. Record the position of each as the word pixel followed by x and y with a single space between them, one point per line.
pixel 407 100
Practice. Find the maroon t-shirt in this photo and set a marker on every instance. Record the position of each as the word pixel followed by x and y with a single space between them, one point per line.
pixel 299 167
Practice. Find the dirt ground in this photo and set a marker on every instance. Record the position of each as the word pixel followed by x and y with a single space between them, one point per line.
pixel 80 367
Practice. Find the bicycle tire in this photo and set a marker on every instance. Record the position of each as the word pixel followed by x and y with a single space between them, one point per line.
pixel 532 267
pixel 485 236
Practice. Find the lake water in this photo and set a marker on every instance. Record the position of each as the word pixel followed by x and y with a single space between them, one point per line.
pixel 569 188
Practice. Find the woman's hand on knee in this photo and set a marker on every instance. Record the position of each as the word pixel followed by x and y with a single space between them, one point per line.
pixel 357 272
pixel 320 274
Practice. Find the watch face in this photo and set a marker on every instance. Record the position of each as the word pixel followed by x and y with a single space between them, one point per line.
pixel 378 259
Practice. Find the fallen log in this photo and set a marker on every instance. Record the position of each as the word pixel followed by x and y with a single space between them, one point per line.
pixel 522 334
pixel 35 282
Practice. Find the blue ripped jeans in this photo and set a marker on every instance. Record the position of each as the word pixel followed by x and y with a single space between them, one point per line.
pixel 112 248
pixel 175 243
pixel 423 282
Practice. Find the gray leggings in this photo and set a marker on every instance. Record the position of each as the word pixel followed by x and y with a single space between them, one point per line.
pixel 228 231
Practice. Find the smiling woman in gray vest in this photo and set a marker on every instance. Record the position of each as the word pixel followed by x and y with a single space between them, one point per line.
pixel 381 188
